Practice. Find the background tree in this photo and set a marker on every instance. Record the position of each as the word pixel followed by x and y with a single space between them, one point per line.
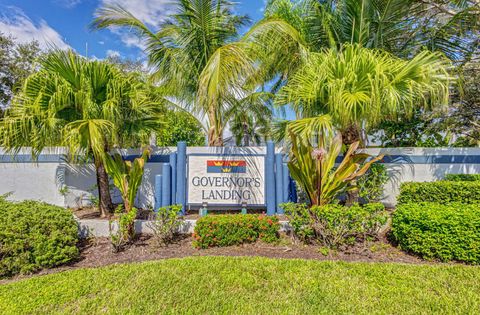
pixel 17 61
pixel 417 129
pixel 194 57
pixel 251 126
pixel 88 106
pixel 463 118
pixel 457 127
pixel 180 126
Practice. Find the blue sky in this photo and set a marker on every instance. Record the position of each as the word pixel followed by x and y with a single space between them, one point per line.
pixel 65 23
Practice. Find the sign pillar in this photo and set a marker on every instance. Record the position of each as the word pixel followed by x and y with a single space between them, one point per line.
pixel 158 192
pixel 270 178
pixel 181 174
pixel 173 166
pixel 166 185
pixel 286 183
pixel 279 181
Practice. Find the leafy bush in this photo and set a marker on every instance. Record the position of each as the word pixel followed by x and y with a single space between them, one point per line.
pixel 300 220
pixel 335 225
pixel 227 230
pixel 371 185
pixel 462 177
pixel 35 235
pixel 433 230
pixel 122 228
pixel 165 223
pixel 441 192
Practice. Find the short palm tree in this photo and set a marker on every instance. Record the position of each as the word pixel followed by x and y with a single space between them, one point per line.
pixel 88 106
pixel 194 56
pixel 359 87
pixel 294 30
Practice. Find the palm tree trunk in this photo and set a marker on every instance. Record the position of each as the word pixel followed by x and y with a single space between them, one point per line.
pixel 246 140
pixel 105 200
pixel 350 135
pixel 215 139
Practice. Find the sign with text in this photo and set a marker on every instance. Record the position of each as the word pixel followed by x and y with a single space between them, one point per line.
pixel 226 180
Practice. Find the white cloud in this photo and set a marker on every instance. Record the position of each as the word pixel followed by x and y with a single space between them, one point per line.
pixel 113 53
pixel 24 30
pixel 151 12
pixel 68 3
pixel 129 39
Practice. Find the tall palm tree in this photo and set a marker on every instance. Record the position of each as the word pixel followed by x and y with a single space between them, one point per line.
pixel 402 27
pixel 291 29
pixel 88 106
pixel 294 31
pixel 359 87
pixel 194 56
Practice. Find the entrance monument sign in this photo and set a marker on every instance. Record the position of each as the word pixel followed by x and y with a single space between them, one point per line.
pixel 226 180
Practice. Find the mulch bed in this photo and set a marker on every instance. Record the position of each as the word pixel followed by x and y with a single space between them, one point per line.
pixel 98 252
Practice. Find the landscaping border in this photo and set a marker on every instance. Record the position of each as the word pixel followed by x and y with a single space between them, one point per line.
pixel 100 228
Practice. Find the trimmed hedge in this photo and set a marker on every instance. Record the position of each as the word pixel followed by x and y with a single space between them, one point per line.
pixel 438 231
pixel 441 192
pixel 462 177
pixel 234 229
pixel 35 235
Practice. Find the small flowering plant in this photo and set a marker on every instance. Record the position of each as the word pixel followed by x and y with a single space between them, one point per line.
pixel 234 229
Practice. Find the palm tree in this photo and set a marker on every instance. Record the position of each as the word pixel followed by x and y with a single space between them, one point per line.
pixel 291 30
pixel 402 27
pixel 252 126
pixel 194 56
pixel 294 31
pixel 88 106
pixel 359 87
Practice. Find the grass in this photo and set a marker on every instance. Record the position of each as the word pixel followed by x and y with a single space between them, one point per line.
pixel 212 285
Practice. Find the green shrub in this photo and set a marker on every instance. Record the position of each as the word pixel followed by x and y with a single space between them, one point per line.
pixel 122 228
pixel 300 220
pixel 371 185
pixel 227 230
pixel 433 230
pixel 462 177
pixel 165 223
pixel 335 225
pixel 35 235
pixel 440 192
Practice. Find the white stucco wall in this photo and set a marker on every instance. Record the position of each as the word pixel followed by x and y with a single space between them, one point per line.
pixel 31 181
pixel 43 180
pixel 404 170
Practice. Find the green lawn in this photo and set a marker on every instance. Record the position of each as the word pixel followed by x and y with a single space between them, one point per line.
pixel 249 285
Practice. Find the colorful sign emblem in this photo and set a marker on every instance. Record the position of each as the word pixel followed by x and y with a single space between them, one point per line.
pixel 229 167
